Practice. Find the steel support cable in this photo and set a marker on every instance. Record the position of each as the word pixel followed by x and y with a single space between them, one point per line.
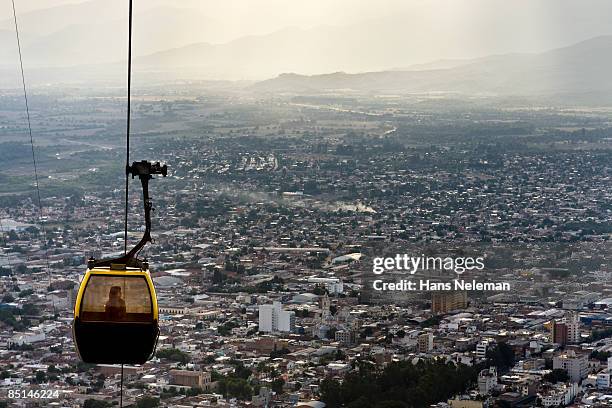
pixel 127 157
pixel 27 106
pixel 127 133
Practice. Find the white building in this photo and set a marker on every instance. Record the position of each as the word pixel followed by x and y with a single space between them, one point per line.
pixel 30 337
pixel 481 349
pixel 425 342
pixel 11 225
pixel 272 318
pixel 573 328
pixel 603 379
pixel 559 395
pixel 576 365
pixel 346 337
pixel 333 285
pixel 487 380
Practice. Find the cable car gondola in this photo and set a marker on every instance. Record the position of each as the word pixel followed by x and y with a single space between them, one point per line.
pixel 115 314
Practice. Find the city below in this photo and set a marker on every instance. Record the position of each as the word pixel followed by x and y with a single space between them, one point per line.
pixel 265 235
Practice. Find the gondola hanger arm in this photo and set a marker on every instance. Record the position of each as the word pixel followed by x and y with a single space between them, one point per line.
pixel 145 171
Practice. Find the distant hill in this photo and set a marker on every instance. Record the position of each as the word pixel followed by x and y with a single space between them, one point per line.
pixel 95 32
pixel 580 68
pixel 86 41
pixel 260 56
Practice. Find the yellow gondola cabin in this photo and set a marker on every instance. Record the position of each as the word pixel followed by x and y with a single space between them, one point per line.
pixel 116 316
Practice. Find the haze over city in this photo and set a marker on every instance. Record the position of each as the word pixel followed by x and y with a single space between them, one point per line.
pixel 260 40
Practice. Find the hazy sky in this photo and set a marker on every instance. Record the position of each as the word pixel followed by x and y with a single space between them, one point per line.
pixel 334 35
pixel 247 17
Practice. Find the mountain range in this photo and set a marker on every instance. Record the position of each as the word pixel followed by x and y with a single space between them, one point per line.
pixel 95 32
pixel 85 42
pixel 585 67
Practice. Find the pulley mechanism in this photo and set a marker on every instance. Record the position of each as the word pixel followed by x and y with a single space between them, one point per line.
pixel 144 170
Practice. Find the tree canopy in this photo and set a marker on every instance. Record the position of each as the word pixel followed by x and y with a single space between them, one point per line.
pixel 401 384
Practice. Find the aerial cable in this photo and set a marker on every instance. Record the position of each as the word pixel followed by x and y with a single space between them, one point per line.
pixel 127 136
pixel 127 155
pixel 40 207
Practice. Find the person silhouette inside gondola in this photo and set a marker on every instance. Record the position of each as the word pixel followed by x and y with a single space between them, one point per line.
pixel 115 305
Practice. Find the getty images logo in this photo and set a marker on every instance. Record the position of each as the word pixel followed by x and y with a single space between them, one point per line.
pixel 411 264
